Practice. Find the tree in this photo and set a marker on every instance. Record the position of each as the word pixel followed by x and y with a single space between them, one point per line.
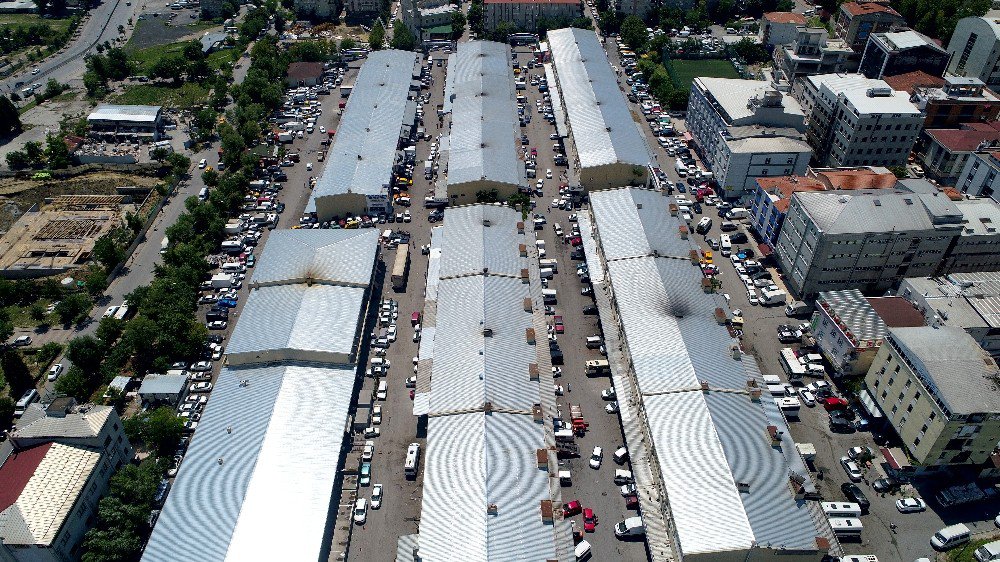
pixel 107 251
pixel 487 196
pixel 73 308
pixel 458 22
pixel 56 152
pixel 159 429
pixel 159 154
pixel 376 39
pixel 6 410
pixel 179 163
pixel 899 171
pixel 402 38
pixel 34 151
pixel 75 383
pixel 169 67
pixel 750 51
pixel 347 44
pixel 97 87
pixel 53 88
pixel 96 281
pixel 37 312
pixel 17 160
pixel 205 120
pixel 210 178
pixel 633 32
pixel 86 352
pixel 10 120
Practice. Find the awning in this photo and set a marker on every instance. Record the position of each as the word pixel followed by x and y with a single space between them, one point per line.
pixel 895 458
pixel 868 401
pixel 764 249
pixel 687 137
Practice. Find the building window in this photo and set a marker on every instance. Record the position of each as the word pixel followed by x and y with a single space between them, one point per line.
pixel 966 52
pixel 884 393
pixel 894 409
pixel 932 416
pixel 916 441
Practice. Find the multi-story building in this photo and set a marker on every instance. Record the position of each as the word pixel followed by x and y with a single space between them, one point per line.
pixel 981 174
pixel 977 249
pixel 63 456
pixel 779 28
pixel 642 8
pixel 937 388
pixel 751 152
pixel 888 54
pixel 867 239
pixel 722 110
pixel 950 101
pixel 859 121
pixel 811 52
pixel 964 300
pixel 425 18
pixel 975 50
pixel 770 203
pixel 946 151
pixel 856 21
pixel 525 14
pixel 361 8
pixel 849 327
pixel 316 9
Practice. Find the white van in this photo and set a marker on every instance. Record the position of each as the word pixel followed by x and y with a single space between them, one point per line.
pixel 841 509
pixel 546 273
pixel 598 366
pixel 30 396
pixel 379 361
pixel 631 527
pixel 704 225
pixel 737 213
pixel 549 296
pixel 582 550
pixel 622 476
pixel 680 168
pixel 725 245
pixel 203 194
pixel 989 552
pixel 951 536
pixel 593 342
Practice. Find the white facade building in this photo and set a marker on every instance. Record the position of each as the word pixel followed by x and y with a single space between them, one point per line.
pixel 975 49
pixel 748 153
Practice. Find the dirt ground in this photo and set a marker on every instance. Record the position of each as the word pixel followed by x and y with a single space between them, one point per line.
pixel 153 31
pixel 17 196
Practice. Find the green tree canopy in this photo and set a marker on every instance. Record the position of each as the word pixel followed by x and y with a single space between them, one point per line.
pixel 376 39
pixel 402 38
pixel 633 32
pixel 159 429
pixel 10 120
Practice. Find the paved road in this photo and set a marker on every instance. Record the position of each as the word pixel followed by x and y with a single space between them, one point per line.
pixel 68 64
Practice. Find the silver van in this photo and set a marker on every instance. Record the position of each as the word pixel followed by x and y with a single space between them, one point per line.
pixel 989 552
pixel 593 342
pixel 951 536
pixel 28 398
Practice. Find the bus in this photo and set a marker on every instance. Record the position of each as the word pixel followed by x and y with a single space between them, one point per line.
pixel 790 363
pixel 412 460
pixel 400 267
pixel 123 312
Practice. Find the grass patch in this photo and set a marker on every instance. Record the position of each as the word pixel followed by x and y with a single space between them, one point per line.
pixel 184 96
pixel 223 59
pixel 57 25
pixel 24 108
pixel 687 70
pixel 144 59
pixel 966 553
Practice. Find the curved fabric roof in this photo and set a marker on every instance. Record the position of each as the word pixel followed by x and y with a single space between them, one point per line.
pixel 335 257
pixel 602 125
pixel 468 248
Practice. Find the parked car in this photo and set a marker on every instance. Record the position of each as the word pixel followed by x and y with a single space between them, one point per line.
pixel 589 520
pixel 854 494
pixel 910 505
pixel 851 468
pixel 608 393
pixel 201 366
pixel 55 371
pixel 376 496
pixel 201 387
pixel 572 508
pixel 596 458
pixel 360 511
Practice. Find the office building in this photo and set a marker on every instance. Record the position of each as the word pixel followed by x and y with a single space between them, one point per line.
pixel 62 456
pixel 379 119
pixel 722 479
pixel 483 148
pixel 610 148
pixel 744 129
pixel 969 301
pixel 946 151
pixel 484 390
pixel 975 50
pixel 889 54
pixel 779 28
pixel 937 388
pixel 981 175
pixel 525 14
pixel 859 121
pixel 857 21
pixel 849 327
pixel 950 101
pixel 269 454
pixel 812 52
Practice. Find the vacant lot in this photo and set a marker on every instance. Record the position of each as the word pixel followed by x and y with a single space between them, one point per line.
pixel 183 96
pixel 687 70
pixel 152 32
pixel 57 25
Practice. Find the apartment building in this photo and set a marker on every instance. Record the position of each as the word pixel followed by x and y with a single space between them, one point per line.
pixel 812 52
pixel 525 14
pixel 946 151
pixel 358 9
pixel 867 239
pixel 981 175
pixel 975 49
pixel 950 101
pixel 779 28
pixel 642 8
pixel 888 54
pixel 316 9
pixel 856 21
pixel 938 390
pixel 963 300
pixel 849 327
pixel 859 121
pixel 744 128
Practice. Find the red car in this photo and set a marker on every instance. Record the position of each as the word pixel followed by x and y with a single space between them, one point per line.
pixel 589 520
pixel 575 241
pixel 560 328
pixel 572 508
pixel 632 502
pixel 834 403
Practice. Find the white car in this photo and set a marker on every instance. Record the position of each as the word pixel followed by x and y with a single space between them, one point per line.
pixel 55 371
pixel 910 505
pixel 309 166
pixel 411 382
pixel 201 387
pixel 612 407
pixel 548 173
pixel 360 511
pixel 376 414
pixel 202 163
pixel 376 496
pixel 369 452
pixel 322 130
pixel 390 333
pixel 752 297
pixel 851 468
pixel 596 458
pixel 201 366
pixel 609 393
pixel 372 431
pixel 807 397
pixel 559 390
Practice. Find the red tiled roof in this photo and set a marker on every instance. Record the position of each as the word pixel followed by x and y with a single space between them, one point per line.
pixel 896 312
pixel 15 473
pixel 860 8
pixel 966 139
pixel 786 186
pixel 303 70
pixel 857 179
pixel 785 17
pixel 912 80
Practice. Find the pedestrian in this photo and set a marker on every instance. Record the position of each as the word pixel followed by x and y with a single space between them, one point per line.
pixel 892 527
pixel 569 387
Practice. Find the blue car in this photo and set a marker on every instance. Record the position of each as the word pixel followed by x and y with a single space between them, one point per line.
pixel 227 303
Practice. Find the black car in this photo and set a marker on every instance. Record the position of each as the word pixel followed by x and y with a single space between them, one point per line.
pixel 738 238
pixel 854 494
pixel 590 309
pixel 840 424
pixel 696 208
pixel 215 338
pixel 578 254
pixel 884 485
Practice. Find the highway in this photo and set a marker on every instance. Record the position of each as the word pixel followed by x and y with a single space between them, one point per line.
pixel 68 64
